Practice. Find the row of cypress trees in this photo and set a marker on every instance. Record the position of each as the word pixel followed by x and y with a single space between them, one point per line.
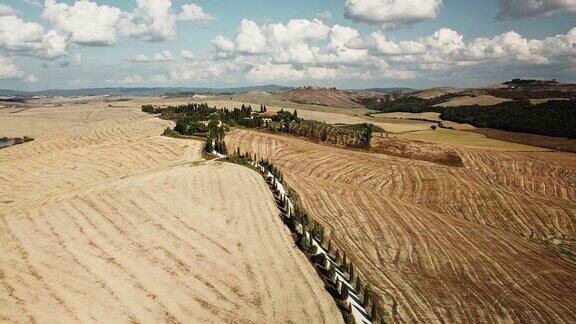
pixel 306 232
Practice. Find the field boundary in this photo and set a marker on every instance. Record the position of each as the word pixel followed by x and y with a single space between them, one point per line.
pixel 340 277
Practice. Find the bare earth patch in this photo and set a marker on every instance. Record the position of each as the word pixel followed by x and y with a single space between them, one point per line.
pixel 417 150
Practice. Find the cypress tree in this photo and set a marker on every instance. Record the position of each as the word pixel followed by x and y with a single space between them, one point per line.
pixel 345 292
pixel 313 250
pixel 332 271
pixel 366 295
pixel 352 273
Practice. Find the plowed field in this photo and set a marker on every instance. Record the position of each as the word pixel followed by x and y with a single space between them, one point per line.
pixel 491 241
pixel 103 220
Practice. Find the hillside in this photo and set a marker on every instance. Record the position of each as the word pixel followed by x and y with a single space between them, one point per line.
pixel 436 92
pixel 323 97
pixel 140 91
pixel 478 243
pixel 481 100
pixel 103 220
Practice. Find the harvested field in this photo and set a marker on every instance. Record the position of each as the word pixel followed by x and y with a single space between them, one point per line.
pixel 483 100
pixel 103 220
pixel 275 100
pixel 323 97
pixel 556 143
pixel 416 150
pixel 428 116
pixel 436 92
pixel 406 115
pixel 466 139
pixel 438 243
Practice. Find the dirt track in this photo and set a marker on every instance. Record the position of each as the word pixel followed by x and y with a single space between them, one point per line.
pixel 103 220
pixel 474 244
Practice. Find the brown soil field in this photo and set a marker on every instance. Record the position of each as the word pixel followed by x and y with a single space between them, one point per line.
pixel 556 143
pixel 492 241
pixel 415 150
pixel 103 220
pixel 483 100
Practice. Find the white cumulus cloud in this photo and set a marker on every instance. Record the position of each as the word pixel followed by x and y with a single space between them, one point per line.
pixel 446 48
pixel 271 72
pixel 287 43
pixel 187 55
pixel 392 13
pixel 223 44
pixel 195 13
pixel 164 56
pixel 86 22
pixel 140 58
pixel 19 37
pixel 6 10
pixel 9 70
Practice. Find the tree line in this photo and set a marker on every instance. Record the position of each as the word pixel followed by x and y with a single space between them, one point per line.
pixel 191 119
pixel 195 111
pixel 552 118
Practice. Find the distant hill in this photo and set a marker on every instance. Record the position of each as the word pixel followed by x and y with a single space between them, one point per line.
pixel 389 90
pixel 141 91
pixel 323 97
pixel 437 92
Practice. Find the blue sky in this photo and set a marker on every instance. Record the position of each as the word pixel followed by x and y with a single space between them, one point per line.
pixel 349 44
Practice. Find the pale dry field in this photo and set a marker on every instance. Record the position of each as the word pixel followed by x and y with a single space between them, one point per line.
pixel 492 241
pixel 103 220
pixel 465 139
pixel 429 116
pixel 433 116
pixel 483 100
pixel 437 92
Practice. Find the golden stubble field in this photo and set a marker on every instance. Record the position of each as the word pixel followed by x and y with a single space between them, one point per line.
pixel 492 241
pixel 103 220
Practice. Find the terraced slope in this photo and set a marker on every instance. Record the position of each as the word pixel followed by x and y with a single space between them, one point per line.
pixel 102 220
pixel 474 244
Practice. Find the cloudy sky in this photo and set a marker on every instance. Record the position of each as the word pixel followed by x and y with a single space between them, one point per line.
pixel 224 43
